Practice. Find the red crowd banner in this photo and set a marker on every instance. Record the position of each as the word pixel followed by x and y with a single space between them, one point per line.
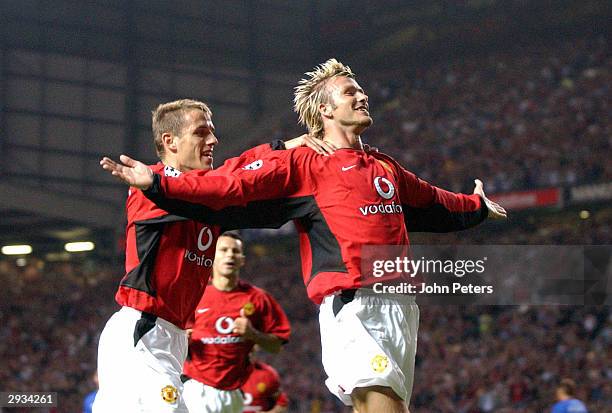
pixel 528 199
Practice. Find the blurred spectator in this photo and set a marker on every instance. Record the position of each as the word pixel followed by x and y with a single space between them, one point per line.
pixel 91 396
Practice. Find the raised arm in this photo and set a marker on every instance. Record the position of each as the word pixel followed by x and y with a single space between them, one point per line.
pixel 428 208
pixel 271 213
pixel 137 174
pixel 236 183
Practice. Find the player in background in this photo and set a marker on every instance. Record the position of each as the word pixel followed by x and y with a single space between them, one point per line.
pixel 168 262
pixel 262 390
pixel 340 203
pixel 567 401
pixel 231 318
pixel 91 396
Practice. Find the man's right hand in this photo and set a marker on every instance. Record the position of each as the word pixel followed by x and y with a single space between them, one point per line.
pixel 319 146
pixel 130 171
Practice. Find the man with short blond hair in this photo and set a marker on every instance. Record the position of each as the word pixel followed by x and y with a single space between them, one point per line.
pixel 167 265
pixel 341 203
pixel 170 118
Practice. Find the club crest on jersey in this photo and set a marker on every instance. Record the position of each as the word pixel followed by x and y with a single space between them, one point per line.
pixel 249 309
pixel 379 363
pixel 261 387
pixel 253 165
pixel 169 394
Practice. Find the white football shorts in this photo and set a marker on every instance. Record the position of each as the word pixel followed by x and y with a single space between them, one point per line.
pixel 201 398
pixel 140 359
pixel 369 340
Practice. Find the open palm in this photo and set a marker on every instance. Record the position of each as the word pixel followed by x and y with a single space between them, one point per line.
pixel 496 211
pixel 130 171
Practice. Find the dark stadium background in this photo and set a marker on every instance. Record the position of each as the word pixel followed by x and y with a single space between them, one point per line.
pixel 514 92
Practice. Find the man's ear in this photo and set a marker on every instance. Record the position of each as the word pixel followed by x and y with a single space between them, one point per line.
pixel 326 109
pixel 169 141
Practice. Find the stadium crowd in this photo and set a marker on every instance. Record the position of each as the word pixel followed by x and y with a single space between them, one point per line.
pixel 530 117
pixel 534 117
pixel 51 316
pixel 472 359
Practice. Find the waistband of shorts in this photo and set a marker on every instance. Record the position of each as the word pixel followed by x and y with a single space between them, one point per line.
pixel 142 314
pixel 363 292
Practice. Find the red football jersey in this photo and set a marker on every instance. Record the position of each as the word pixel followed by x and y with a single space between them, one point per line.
pixel 218 357
pixel 340 204
pixel 168 258
pixel 262 389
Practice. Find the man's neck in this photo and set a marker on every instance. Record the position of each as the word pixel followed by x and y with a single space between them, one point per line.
pixel 343 138
pixel 173 163
pixel 223 283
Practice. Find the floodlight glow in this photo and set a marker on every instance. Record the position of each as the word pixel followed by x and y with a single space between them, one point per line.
pixel 79 246
pixel 17 249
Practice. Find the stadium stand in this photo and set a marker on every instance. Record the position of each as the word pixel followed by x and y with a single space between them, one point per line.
pixel 530 118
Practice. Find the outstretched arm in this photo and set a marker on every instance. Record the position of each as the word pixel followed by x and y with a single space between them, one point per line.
pixel 139 175
pixel 237 182
pixel 271 213
pixel 431 209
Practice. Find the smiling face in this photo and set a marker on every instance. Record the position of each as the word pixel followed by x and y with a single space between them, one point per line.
pixel 193 149
pixel 348 105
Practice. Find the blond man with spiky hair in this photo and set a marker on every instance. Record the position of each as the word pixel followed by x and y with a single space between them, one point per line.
pixel 341 203
pixel 312 92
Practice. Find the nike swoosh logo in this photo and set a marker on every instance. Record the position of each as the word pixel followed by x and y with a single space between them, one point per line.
pixel 346 168
pixel 202 310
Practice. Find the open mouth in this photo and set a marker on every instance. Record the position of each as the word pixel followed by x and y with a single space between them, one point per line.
pixel 207 154
pixel 363 109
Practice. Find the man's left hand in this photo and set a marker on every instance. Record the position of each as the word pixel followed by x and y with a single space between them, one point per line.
pixel 496 211
pixel 243 326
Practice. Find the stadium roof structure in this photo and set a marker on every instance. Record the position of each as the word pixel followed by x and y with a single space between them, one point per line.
pixel 78 78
